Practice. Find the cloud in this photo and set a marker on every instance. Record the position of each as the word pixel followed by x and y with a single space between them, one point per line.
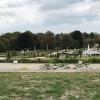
pixel 75 13
pixel 48 5
pixel 42 15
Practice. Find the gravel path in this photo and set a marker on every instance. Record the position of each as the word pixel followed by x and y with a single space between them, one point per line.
pixel 10 67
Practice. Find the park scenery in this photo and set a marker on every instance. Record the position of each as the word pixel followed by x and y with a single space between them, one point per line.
pixel 49 66
pixel 49 49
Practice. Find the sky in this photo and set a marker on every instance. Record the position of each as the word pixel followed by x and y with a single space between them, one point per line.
pixel 54 15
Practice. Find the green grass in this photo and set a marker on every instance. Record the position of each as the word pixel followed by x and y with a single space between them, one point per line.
pixel 49 86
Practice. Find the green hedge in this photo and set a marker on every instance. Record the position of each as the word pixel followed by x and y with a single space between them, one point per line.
pixel 55 60
pixel 6 61
pixel 75 60
pixel 66 60
pixel 94 60
pixel 33 61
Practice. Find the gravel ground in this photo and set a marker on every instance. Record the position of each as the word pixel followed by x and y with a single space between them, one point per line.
pixel 10 67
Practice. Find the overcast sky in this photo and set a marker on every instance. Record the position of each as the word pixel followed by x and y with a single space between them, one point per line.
pixel 55 15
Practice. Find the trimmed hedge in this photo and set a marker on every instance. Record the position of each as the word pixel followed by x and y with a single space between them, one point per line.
pixel 55 60
pixel 66 60
pixel 32 61
pixel 93 60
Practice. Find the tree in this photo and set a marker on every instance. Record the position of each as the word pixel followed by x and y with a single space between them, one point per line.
pixel 92 35
pixel 34 45
pixel 49 40
pixel 74 44
pixel 85 35
pixel 40 41
pixel 25 40
pixel 58 40
pixel 13 43
pixel 10 39
pixel 2 47
pixel 66 41
pixel 6 42
pixel 77 35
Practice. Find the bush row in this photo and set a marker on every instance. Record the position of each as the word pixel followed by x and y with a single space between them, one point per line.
pixel 32 61
pixel 55 60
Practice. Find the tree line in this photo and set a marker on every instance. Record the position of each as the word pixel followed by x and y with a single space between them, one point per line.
pixel 48 40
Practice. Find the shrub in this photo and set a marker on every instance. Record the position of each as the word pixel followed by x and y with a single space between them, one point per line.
pixel 66 60
pixel 94 60
pixel 33 61
pixel 70 60
pixel 57 60
pixel 6 61
pixel 8 56
pixel 25 61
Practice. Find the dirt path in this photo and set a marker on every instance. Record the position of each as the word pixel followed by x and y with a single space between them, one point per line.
pixel 10 67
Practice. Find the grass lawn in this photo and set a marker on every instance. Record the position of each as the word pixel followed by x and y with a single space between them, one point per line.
pixel 49 86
